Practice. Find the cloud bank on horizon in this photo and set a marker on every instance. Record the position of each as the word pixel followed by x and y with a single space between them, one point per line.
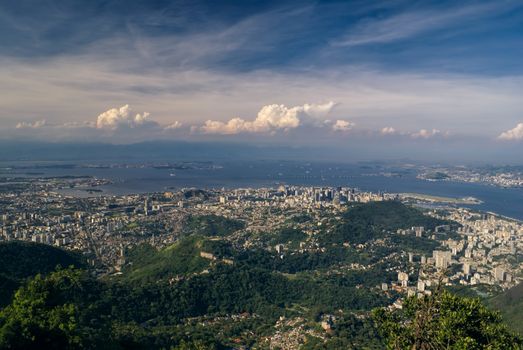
pixel 424 71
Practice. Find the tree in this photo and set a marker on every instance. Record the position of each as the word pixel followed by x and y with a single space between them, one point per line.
pixel 34 319
pixel 444 321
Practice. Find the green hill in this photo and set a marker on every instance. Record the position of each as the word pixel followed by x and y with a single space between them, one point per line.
pixel 213 225
pixel 510 304
pixel 20 260
pixel 362 222
pixel 148 264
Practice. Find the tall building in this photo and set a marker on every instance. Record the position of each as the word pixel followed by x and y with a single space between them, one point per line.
pixel 403 278
pixel 466 268
pixel 441 258
pixel 499 273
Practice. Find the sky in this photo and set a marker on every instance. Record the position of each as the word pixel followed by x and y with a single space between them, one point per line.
pixel 429 76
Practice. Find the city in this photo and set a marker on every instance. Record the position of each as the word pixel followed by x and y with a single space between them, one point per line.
pixel 485 246
pixel 261 175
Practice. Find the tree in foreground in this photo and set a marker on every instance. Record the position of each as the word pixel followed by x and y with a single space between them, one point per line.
pixel 444 321
pixel 45 314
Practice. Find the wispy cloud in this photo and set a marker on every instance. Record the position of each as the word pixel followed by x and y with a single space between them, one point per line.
pixel 409 24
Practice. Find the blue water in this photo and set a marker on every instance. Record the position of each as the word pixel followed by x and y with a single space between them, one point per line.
pixel 508 202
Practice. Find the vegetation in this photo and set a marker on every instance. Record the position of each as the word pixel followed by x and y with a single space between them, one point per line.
pixel 147 306
pixel 52 312
pixel 437 175
pixel 288 236
pixel 445 321
pixel 213 225
pixel 510 305
pixel 363 222
pixel 179 298
pixel 20 260
pixel 147 264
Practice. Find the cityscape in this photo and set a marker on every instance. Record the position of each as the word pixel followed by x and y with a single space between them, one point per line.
pixel 484 245
pixel 261 175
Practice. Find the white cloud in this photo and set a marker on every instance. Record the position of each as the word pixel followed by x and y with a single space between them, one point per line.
pixel 66 90
pixel 116 118
pixel 34 125
pixel 173 126
pixel 512 134
pixel 233 126
pixel 272 118
pixel 388 130
pixel 342 125
pixel 427 134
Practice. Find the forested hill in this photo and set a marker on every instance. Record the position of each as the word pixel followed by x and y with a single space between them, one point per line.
pixel 510 304
pixel 363 222
pixel 20 260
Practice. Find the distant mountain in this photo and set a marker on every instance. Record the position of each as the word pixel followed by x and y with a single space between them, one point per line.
pixel 151 150
pixel 21 260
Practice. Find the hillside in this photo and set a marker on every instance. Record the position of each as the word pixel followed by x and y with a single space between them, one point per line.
pixel 145 263
pixel 510 304
pixel 20 260
pixel 362 222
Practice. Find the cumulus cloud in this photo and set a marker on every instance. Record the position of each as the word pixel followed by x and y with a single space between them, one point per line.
pixel 34 125
pixel 272 118
pixel 512 134
pixel 342 125
pixel 388 130
pixel 118 124
pixel 116 118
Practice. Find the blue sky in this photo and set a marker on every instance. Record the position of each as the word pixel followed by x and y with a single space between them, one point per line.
pixel 376 72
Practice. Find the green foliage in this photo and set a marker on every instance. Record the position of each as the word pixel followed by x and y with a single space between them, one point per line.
pixel 419 245
pixel 350 332
pixel 213 225
pixel 20 260
pixel 510 304
pixel 183 257
pixel 445 321
pixel 45 313
pixel 300 218
pixel 219 248
pixel 363 222
pixel 8 286
pixel 287 235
